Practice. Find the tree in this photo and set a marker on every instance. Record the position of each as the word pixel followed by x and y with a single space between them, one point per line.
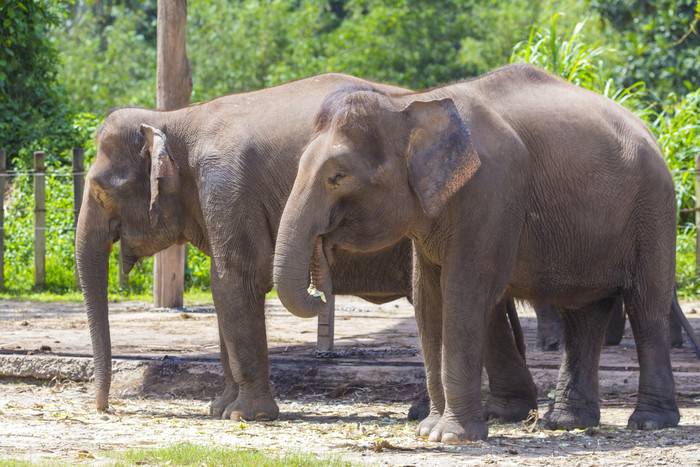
pixel 174 87
pixel 32 103
pixel 660 42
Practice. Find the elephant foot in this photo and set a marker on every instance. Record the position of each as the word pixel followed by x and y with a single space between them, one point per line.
pixel 549 343
pixel 559 418
pixel 644 420
pixel 249 409
pixel 419 410
pixel 426 426
pixel 450 430
pixel 218 405
pixel 509 409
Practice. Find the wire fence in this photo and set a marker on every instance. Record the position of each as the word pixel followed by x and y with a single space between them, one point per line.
pixel 77 173
pixel 39 177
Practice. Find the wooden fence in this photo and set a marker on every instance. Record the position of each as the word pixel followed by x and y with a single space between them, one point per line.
pixel 39 175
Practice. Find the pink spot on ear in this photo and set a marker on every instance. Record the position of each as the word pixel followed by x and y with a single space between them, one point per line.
pixel 459 177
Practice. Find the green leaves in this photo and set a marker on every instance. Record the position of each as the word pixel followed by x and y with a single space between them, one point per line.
pixel 659 44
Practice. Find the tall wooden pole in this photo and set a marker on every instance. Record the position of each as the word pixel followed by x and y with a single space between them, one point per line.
pixel 39 220
pixel 174 87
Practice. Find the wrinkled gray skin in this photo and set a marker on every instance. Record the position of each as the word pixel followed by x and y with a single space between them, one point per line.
pixel 217 175
pixel 588 213
pixel 550 330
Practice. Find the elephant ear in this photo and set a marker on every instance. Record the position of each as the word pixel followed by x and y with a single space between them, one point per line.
pixel 441 155
pixel 164 170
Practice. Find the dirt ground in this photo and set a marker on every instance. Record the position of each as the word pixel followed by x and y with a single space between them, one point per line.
pixel 351 403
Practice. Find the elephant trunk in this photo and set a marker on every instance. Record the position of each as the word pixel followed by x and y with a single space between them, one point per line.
pixel 301 271
pixel 93 244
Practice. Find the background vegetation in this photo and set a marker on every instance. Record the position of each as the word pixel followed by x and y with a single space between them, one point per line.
pixel 63 64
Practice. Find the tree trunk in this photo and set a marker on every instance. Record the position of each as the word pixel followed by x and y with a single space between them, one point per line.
pixel 174 87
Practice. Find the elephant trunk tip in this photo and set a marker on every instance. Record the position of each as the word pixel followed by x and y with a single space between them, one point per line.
pixel 305 296
pixel 101 403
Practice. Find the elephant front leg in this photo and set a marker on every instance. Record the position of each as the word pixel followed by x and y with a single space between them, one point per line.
pixel 463 337
pixel 241 318
pixel 427 301
pixel 218 405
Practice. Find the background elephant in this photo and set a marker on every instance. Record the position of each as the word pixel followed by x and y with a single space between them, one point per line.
pixel 588 213
pixel 217 175
pixel 550 330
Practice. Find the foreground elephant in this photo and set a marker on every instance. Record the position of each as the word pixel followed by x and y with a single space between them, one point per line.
pixel 587 213
pixel 217 175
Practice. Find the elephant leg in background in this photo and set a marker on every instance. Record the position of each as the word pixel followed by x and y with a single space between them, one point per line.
pixel 427 301
pixel 576 400
pixel 656 400
pixel 240 309
pixel 549 327
pixel 509 377
pixel 218 405
pixel 616 328
pixel 513 392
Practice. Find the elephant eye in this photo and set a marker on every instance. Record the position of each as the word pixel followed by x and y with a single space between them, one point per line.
pixel 336 178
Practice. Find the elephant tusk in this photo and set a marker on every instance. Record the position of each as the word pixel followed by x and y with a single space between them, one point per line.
pixel 314 292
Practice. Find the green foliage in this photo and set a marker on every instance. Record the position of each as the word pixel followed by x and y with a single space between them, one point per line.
pixel 62 62
pixel 19 222
pixel 676 126
pixel 568 57
pixel 687 280
pixel 677 130
pixel 108 52
pixel 33 105
pixel 405 42
pixel 659 41
pixel 572 58
pixel 197 270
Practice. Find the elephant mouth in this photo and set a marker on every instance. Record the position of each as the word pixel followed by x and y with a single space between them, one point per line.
pixel 316 276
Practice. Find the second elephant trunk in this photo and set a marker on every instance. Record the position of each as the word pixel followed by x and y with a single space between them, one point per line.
pixel 301 271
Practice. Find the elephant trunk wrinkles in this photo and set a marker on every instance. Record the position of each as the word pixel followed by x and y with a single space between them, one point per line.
pixel 93 243
pixel 301 272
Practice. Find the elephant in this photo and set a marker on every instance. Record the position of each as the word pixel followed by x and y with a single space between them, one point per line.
pixel 513 185
pixel 550 329
pixel 216 174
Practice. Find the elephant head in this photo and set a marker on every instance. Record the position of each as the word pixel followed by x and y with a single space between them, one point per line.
pixel 375 166
pixel 133 194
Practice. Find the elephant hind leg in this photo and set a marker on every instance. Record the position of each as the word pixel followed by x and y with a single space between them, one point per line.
pixel 513 394
pixel 656 401
pixel 616 326
pixel 576 401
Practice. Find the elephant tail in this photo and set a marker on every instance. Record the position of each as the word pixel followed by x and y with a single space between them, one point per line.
pixel 515 326
pixel 676 310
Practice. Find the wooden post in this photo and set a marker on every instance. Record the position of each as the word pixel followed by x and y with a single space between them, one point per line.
pixel 174 87
pixel 697 213
pixel 39 220
pixel 3 181
pixel 78 187
pixel 324 339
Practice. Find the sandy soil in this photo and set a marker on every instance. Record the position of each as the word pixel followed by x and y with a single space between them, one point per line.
pixel 57 420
